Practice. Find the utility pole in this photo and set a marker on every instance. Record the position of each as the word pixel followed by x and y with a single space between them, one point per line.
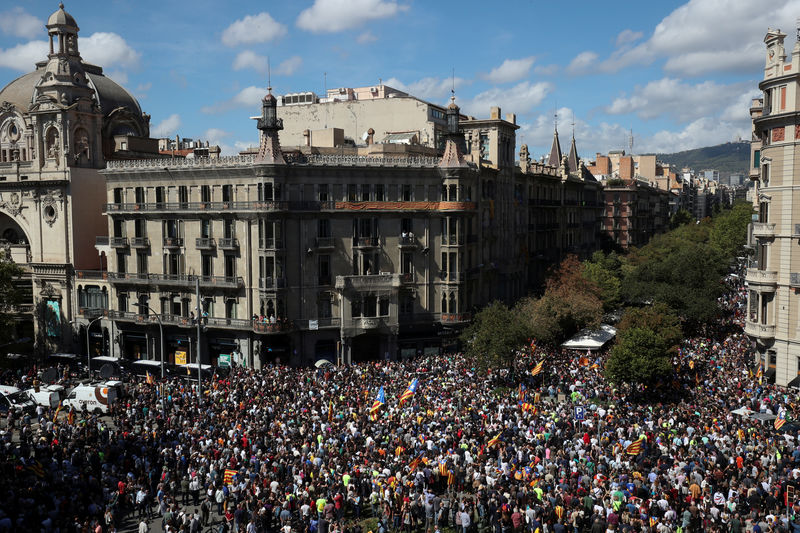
pixel 199 317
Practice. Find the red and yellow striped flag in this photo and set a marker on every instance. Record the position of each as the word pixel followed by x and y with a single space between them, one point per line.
pixel 227 479
pixel 538 368
pixel 635 447
pixel 494 440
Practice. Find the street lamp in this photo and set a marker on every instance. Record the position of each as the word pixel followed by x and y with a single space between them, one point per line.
pixel 160 331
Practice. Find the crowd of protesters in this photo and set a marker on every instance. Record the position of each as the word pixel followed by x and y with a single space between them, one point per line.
pixel 303 450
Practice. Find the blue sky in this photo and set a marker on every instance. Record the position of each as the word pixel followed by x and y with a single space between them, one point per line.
pixel 680 75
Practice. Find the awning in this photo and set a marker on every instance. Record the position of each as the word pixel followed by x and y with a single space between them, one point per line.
pixel 795 382
pixel 744 411
pixel 587 339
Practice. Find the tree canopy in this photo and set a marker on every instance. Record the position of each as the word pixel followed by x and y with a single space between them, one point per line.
pixel 640 356
pixel 10 297
pixel 494 336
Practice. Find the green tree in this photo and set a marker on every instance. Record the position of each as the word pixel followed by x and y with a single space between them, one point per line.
pixel 494 335
pixel 640 356
pixel 605 271
pixel 10 297
pixel 658 318
pixel 570 302
pixel 729 230
pixel 681 217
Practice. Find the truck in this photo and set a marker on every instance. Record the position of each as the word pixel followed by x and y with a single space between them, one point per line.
pixel 96 398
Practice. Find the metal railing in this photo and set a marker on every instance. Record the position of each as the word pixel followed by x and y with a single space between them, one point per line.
pixel 137 278
pixel 408 241
pixel 204 243
pixel 270 243
pixel 101 240
pixel 271 283
pixel 230 243
pixel 366 242
pixel 140 242
pixel 173 242
pixel 324 242
pixel 455 318
pixel 118 242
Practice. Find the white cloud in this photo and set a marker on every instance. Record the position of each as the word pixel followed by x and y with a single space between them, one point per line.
pixel 434 89
pixel 108 50
pixel 546 70
pixel 215 135
pixel 520 99
pixel 141 90
pixel 289 66
pixel 24 56
pixel 247 97
pixel 251 29
pixel 705 131
pixel 167 127
pixel 676 99
pixel 366 37
pixel 628 37
pixel 249 59
pixel 708 36
pixel 329 16
pixel 20 23
pixel 510 70
pixel 582 63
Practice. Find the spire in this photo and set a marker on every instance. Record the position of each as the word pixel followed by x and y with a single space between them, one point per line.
pixel 453 157
pixel 573 160
pixel 554 160
pixel 269 150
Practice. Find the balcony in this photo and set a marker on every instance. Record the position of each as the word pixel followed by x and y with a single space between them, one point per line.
pixel 755 173
pixel 268 327
pixel 199 207
pixel 761 277
pixel 321 323
pixel 173 242
pixel 101 240
pixel 763 229
pixel 366 242
pixel 175 280
pixel 92 312
pixel 271 283
pixel 270 243
pixel 759 331
pixel 140 242
pixel 452 277
pixel 364 322
pixel 324 243
pixel 407 278
pixel 118 242
pixel 204 243
pixel 455 318
pixel 91 274
pixel 408 241
pixel 368 282
pixel 228 244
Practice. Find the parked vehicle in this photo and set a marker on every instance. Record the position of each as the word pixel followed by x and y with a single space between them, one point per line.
pixel 13 399
pixel 96 398
pixel 142 367
pixel 48 395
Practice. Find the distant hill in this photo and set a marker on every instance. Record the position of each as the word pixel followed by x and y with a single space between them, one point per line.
pixel 728 158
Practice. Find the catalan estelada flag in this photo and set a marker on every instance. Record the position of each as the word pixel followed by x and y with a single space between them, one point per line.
pixel 412 388
pixel 522 392
pixel 227 479
pixel 635 447
pixel 538 368
pixel 596 364
pixel 380 399
pixel 494 440
pixel 653 521
pixel 149 378
pixel 781 420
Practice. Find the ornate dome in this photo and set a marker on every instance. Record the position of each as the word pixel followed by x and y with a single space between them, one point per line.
pixel 61 18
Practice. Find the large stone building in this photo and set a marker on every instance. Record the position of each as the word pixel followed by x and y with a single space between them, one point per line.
pixel 773 314
pixel 58 125
pixel 351 252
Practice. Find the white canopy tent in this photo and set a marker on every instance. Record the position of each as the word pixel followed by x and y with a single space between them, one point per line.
pixel 588 339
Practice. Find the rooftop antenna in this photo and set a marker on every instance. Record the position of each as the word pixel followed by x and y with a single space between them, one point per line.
pixel 555 117
pixel 573 124
pixel 269 76
pixel 453 83
pixel 630 142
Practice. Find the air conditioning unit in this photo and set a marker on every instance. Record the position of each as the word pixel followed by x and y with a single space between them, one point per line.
pixel 373 89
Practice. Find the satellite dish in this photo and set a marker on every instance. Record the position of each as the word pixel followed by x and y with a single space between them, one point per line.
pixel 50 375
pixel 106 371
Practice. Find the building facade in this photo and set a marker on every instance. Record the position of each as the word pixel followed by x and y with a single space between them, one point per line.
pixel 773 314
pixel 58 126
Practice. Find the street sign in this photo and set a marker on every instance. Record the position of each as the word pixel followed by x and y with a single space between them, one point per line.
pixel 224 360
pixel 580 412
pixel 180 357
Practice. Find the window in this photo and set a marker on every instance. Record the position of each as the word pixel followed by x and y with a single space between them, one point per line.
pixel 122 301
pixel 406 225
pixel 139 193
pixel 352 195
pixel 230 228
pixel 323 228
pixel 205 228
pixel 383 308
pixel 484 140
pixel 355 308
pixel 208 306
pixel 323 193
pixel 324 269
pixel 407 263
pixel 172 229
pixel 119 228
pixel 370 306
pixel 230 308
pixel 406 192
pixel 140 228
pixel 227 193
pixel 141 262
pixel 118 195
pixel 183 195
pixel 782 92
pixel 756 158
pixel 207 264
pixel 406 302
pixel 230 265
pixel 379 193
pixel 324 305
pixel 365 192
pixel 159 195
pixel 121 262
pixel 205 193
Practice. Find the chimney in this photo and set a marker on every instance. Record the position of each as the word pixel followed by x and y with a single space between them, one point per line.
pixel 370 136
pixel 512 118
pixel 495 113
pixel 626 167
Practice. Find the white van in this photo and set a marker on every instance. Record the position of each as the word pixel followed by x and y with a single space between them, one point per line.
pixel 48 395
pixel 96 398
pixel 13 399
